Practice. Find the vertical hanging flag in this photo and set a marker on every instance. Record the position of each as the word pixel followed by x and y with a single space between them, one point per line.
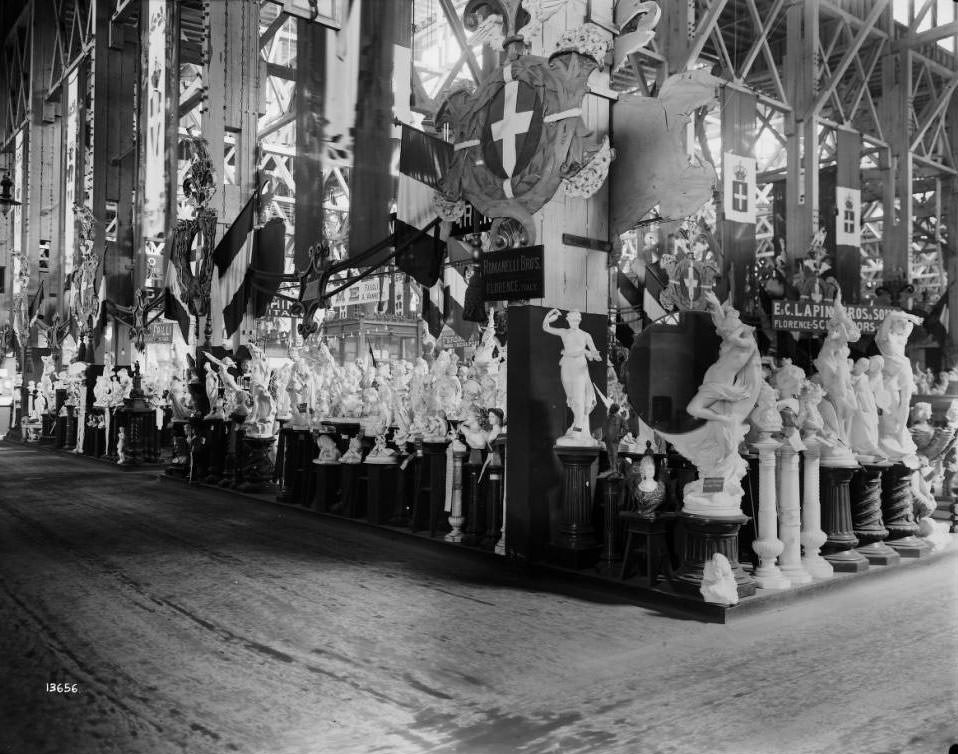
pixel 738 188
pixel 232 259
pixel 848 222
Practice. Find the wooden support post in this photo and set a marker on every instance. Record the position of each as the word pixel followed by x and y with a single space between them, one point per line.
pixel 307 167
pixel 950 249
pixel 738 239
pixel 898 205
pixel 801 187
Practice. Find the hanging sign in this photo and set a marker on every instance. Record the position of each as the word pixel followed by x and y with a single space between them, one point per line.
pixel 848 222
pixel 513 274
pixel 738 188
pixel 160 332
pixel 368 291
pixel 807 316
pixel 70 173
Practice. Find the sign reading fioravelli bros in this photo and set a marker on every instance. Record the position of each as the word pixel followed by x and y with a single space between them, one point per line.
pixel 808 316
pixel 513 274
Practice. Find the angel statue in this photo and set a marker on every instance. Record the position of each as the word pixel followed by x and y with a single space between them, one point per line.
pixel 578 350
pixel 729 392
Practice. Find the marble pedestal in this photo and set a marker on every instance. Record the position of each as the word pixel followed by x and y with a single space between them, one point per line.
pixel 897 508
pixel 705 536
pixel 790 517
pixel 456 519
pixel 767 545
pixel 574 543
pixel 812 535
pixel 839 548
pixel 867 521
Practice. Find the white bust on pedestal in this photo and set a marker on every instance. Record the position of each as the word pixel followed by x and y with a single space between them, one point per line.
pixel 578 350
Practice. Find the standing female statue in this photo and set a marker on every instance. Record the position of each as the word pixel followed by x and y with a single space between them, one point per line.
pixel 899 382
pixel 577 350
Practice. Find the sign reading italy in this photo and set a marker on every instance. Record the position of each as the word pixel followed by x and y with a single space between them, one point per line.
pixel 807 316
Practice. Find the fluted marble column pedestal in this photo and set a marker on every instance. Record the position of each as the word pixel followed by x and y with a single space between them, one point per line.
pixel 703 538
pixel 456 519
pixel 767 546
pixel 574 543
pixel 897 507
pixel 866 515
pixel 839 548
pixel 812 535
pixel 790 517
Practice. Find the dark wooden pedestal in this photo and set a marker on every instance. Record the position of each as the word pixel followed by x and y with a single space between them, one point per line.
pixel 650 535
pixel 70 439
pixel 574 543
pixel 297 462
pixel 179 464
pixel 381 484
pixel 474 503
pixel 898 512
pixel 215 433
pixel 867 524
pixel 839 548
pixel 703 538
pixel 325 485
pixel 611 487
pixel 256 473
pixel 352 481
pixel 430 495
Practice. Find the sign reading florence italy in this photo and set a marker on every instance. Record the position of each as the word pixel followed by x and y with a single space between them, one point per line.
pixel 807 316
pixel 513 274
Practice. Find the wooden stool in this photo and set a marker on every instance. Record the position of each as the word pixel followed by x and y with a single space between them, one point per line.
pixel 653 536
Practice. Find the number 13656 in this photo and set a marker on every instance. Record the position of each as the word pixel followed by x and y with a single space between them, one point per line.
pixel 62 688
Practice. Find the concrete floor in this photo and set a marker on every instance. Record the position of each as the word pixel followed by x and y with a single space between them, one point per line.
pixel 196 622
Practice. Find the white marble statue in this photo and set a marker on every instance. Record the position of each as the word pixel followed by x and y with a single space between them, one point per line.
pixel 718 581
pixel 121 446
pixel 891 338
pixel 263 414
pixel 863 433
pixel 578 350
pixel 328 452
pixel 382 453
pixel 354 453
pixel 834 375
pixel 727 396
pixel 212 388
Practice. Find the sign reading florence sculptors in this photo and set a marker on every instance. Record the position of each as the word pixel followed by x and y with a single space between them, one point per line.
pixel 808 316
pixel 513 274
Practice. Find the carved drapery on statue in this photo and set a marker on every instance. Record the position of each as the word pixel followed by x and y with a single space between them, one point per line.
pixel 520 136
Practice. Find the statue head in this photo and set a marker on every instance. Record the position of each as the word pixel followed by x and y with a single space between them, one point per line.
pixel 574 318
pixel 788 379
pixel 920 412
pixel 496 417
pixel 647 467
pixel 861 366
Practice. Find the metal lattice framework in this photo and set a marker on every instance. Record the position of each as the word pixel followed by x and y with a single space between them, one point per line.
pixel 15 78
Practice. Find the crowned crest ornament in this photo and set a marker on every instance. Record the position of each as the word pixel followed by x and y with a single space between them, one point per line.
pixel 691 278
pixel 519 136
pixel 84 302
pixel 199 186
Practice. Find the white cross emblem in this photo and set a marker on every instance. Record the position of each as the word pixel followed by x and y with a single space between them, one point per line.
pixel 740 196
pixel 691 283
pixel 513 124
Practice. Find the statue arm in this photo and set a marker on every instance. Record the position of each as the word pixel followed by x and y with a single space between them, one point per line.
pixel 591 350
pixel 551 316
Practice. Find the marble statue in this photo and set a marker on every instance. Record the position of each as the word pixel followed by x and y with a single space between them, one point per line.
pixel 282 397
pixel 381 453
pixel 263 413
pixel 437 428
pixel 899 382
pixel 718 581
pixel 354 453
pixel 578 350
pixel 328 452
pixel 179 400
pixel 863 432
pixel 727 396
pixel 121 445
pixel 811 423
pixel 472 431
pixel 834 375
pixel 765 417
pixel 646 495
pixel 212 388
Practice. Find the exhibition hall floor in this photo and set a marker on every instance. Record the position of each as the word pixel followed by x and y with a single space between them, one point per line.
pixel 194 621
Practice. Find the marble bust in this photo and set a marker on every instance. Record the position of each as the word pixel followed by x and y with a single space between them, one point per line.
pixel 718 581
pixel 646 494
pixel 354 453
pixel 328 452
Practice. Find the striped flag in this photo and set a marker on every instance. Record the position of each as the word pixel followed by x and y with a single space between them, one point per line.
pixel 175 307
pixel 232 259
